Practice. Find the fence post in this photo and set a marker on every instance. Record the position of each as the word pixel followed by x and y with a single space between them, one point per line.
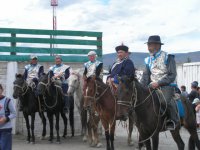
pixel 13 44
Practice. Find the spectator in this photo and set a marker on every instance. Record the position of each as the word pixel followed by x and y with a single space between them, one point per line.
pixel 193 94
pixel 196 102
pixel 183 91
pixel 7 112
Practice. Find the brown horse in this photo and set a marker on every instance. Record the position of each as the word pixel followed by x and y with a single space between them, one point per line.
pixel 99 97
pixel 150 115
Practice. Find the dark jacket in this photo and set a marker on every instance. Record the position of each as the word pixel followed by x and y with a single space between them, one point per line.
pixel 124 68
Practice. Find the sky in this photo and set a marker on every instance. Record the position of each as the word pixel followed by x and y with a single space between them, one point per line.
pixel 127 21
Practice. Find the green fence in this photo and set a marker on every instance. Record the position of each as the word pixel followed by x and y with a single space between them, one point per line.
pixel 13 44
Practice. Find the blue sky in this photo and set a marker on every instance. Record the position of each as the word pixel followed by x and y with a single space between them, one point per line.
pixel 127 21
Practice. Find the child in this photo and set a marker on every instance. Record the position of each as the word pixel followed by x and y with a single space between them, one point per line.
pixel 7 112
pixel 197 109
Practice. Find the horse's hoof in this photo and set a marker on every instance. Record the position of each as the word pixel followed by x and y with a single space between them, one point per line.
pixel 32 142
pixel 72 136
pixel 130 143
pixel 27 142
pixel 64 136
pixel 58 142
pixel 84 139
pixel 99 145
pixel 42 138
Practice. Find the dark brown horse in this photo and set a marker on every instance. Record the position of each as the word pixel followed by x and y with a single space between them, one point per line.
pixel 150 115
pixel 30 104
pixel 99 96
pixel 53 100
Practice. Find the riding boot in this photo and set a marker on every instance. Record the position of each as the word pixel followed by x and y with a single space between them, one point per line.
pixel 173 117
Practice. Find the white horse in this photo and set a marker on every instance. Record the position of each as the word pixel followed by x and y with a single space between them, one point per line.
pixel 75 83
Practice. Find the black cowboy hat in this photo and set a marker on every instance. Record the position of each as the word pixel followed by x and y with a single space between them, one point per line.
pixel 154 39
pixel 121 47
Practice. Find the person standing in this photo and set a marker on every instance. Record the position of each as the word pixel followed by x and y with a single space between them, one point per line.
pixel 7 113
pixel 183 91
pixel 160 73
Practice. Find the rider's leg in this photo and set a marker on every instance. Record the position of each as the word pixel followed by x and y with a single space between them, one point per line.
pixel 172 113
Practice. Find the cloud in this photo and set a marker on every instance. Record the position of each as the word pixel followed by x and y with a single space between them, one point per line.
pixel 128 21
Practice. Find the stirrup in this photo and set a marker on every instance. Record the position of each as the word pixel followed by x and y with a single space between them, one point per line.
pixel 170 125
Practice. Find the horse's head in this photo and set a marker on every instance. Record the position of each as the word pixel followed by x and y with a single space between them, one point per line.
pixel 124 94
pixel 74 82
pixel 19 86
pixel 43 83
pixel 89 91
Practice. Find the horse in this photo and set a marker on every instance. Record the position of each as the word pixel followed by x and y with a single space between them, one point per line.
pixel 99 96
pixel 76 89
pixel 31 105
pixel 151 115
pixel 53 100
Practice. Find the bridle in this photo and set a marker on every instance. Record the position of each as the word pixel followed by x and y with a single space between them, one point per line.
pixel 96 93
pixel 23 88
pixel 46 85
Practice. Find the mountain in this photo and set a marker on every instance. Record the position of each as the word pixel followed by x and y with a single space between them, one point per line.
pixel 138 58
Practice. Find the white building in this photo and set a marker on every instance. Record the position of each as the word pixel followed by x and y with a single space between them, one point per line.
pixel 187 73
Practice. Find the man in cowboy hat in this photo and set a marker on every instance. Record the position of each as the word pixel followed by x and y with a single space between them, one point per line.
pixel 160 73
pixel 122 66
pixel 32 73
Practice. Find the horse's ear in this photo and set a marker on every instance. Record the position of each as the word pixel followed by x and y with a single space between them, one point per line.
pixel 16 75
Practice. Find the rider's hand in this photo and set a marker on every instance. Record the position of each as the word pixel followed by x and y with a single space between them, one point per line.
pixel 154 85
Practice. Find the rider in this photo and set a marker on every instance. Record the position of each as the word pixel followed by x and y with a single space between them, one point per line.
pixel 32 73
pixel 93 66
pixel 122 66
pixel 160 73
pixel 60 73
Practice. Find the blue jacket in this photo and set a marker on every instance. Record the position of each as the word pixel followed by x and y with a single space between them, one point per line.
pixel 125 67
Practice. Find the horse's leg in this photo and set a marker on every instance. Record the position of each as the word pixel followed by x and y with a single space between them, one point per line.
pixel 177 138
pixel 50 117
pixel 107 139
pixel 96 134
pixel 148 145
pixel 194 139
pixel 41 114
pixel 89 128
pixel 71 115
pixel 155 141
pixel 130 126
pixel 32 127
pixel 57 127
pixel 27 126
pixel 112 133
pixel 84 124
pixel 65 123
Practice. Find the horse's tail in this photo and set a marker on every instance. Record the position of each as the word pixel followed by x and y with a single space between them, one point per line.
pixel 190 123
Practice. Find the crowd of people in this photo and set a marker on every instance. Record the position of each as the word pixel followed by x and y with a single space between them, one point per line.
pixel 194 98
